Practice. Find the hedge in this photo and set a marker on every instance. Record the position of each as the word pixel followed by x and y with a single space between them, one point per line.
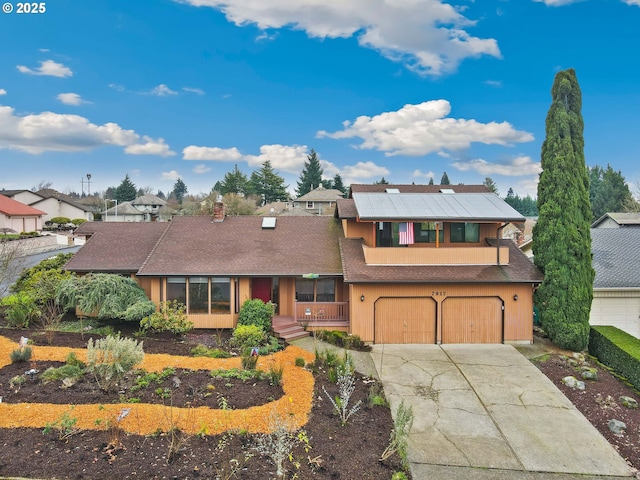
pixel 618 350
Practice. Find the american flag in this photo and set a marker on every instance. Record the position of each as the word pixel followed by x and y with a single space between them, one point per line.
pixel 405 231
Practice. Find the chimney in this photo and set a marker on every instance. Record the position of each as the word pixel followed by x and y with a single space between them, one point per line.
pixel 218 210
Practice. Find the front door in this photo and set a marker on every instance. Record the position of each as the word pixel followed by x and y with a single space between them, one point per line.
pixel 261 288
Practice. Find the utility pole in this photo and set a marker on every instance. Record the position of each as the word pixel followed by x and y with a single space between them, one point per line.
pixel 88 184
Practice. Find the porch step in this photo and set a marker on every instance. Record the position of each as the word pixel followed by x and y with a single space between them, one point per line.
pixel 290 331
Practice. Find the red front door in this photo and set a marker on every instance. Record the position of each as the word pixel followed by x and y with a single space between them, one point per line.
pixel 261 288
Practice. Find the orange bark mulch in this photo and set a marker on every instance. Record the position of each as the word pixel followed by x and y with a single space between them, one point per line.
pixel 145 419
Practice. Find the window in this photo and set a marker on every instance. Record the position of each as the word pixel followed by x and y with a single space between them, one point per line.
pixel 320 290
pixel 425 232
pixel 310 205
pixel 465 232
pixel 198 295
pixel 177 289
pixel 220 295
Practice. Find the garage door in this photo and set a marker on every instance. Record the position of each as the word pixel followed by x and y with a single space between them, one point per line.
pixel 405 320
pixel 472 320
pixel 621 312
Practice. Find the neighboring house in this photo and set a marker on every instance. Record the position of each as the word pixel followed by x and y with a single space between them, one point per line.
pixel 616 289
pixel 319 201
pixel 618 220
pixel 390 266
pixel 52 203
pixel 18 217
pixel 145 208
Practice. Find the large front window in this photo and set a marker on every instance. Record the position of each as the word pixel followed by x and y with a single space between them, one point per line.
pixel 465 232
pixel 315 290
pixel 205 294
pixel 425 232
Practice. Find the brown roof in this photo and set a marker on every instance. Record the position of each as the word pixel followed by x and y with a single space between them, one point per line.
pixel 413 188
pixel 9 206
pixel 115 246
pixel 346 208
pixel 355 270
pixel 240 246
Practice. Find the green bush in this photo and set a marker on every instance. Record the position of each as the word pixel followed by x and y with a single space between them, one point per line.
pixel 256 312
pixel 52 263
pixel 60 220
pixel 78 221
pixel 21 310
pixel 618 350
pixel 111 358
pixel 52 374
pixel 342 339
pixel 21 354
pixel 171 317
pixel 204 351
pixel 247 336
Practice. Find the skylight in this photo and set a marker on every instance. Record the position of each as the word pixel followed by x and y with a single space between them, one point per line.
pixel 269 222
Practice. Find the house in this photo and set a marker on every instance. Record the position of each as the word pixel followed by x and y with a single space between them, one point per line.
pixel 618 220
pixel 401 264
pixel 616 288
pixel 52 203
pixel 145 208
pixel 18 217
pixel 319 201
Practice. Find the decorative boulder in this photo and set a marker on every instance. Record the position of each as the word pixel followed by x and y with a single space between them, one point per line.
pixel 617 427
pixel 573 382
pixel 629 402
pixel 589 373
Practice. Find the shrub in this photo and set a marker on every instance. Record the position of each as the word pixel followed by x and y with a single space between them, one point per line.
pixel 247 336
pixel 21 310
pixel 60 220
pixel 52 374
pixel 204 351
pixel 21 354
pixel 171 317
pixel 346 386
pixel 618 350
pixel 249 361
pixel 52 263
pixel 300 362
pixel 78 221
pixel 399 435
pixel 110 358
pixel 256 312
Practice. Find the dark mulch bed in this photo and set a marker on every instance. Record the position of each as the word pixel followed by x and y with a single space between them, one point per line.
pixel 599 402
pixel 337 452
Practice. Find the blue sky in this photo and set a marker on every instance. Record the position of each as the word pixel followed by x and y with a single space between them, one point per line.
pixel 404 89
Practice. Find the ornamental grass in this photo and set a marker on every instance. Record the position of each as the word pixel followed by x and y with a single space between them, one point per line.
pixel 146 419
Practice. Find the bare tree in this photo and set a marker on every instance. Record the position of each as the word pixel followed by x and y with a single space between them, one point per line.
pixel 12 262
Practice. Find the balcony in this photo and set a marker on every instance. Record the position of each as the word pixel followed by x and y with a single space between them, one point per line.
pixel 319 314
pixel 435 256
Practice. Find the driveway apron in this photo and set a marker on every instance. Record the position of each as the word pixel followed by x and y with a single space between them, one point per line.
pixel 488 407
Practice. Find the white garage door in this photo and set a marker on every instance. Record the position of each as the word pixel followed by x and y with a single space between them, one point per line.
pixel 621 312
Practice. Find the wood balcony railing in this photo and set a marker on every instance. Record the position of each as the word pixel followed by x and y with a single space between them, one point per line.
pixel 321 312
pixel 435 256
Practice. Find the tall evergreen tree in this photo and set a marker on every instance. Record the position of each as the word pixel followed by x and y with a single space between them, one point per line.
pixel 562 237
pixel 445 179
pixel 338 185
pixel 491 185
pixel 267 184
pixel 179 190
pixel 233 182
pixel 608 191
pixel 126 191
pixel 431 182
pixel 382 181
pixel 311 176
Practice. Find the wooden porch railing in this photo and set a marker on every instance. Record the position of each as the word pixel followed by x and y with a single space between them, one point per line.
pixel 319 312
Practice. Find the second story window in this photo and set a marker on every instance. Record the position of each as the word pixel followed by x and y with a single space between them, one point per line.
pixel 425 232
pixel 465 233
pixel 310 205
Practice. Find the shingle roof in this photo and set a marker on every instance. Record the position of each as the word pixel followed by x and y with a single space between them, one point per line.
pixel 616 257
pixel 148 199
pixel 239 246
pixel 412 188
pixel 9 206
pixel 434 206
pixel 50 192
pixel 621 218
pixel 346 208
pixel 321 194
pixel 115 246
pixel 124 208
pixel 355 270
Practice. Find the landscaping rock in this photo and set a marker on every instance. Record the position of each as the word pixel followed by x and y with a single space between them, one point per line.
pixel 573 382
pixel 589 373
pixel 629 402
pixel 617 427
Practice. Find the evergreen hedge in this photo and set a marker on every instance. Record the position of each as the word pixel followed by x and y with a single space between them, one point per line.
pixel 618 350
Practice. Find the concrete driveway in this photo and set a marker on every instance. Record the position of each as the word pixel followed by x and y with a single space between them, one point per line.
pixel 486 412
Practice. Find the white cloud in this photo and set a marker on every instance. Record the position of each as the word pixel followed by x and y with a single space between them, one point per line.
pixel 361 171
pixel 71 99
pixel 150 147
pixel 420 174
pixel 3 91
pixel 519 166
pixel 172 175
pixel 289 158
pixel 197 91
pixel 162 91
pixel 427 36
pixel 557 3
pixel 48 68
pixel 49 131
pixel 632 2
pixel 115 86
pixel 202 168
pixel 493 83
pixel 421 129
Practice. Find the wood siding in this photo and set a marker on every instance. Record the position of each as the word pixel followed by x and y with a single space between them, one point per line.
pixel 405 320
pixel 435 256
pixel 518 314
pixel 365 230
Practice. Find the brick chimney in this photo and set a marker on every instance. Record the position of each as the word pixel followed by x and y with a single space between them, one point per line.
pixel 218 210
